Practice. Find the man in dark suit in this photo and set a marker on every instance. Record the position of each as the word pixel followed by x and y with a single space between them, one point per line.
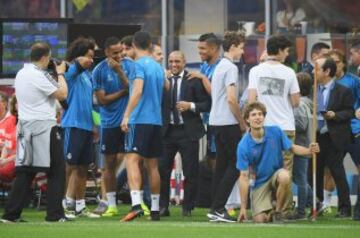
pixel 182 129
pixel 335 109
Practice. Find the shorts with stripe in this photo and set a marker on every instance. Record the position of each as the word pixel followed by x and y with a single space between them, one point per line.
pixel 78 146
pixel 144 139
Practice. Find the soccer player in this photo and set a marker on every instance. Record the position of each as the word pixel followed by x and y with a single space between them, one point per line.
pixel 77 123
pixel 142 121
pixel 111 90
pixel 209 51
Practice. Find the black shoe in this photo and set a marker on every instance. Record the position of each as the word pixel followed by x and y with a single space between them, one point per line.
pixel 221 216
pixel 155 215
pixel 343 214
pixel 186 213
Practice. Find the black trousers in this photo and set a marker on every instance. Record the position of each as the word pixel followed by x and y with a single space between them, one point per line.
pixel 226 174
pixel 56 183
pixel 333 158
pixel 175 141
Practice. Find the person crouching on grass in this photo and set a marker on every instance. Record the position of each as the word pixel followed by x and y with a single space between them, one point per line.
pixel 259 156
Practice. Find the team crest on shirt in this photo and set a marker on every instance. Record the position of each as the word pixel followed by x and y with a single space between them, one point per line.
pixel 69 156
pixel 109 78
pixel 135 148
pixel 103 147
pixel 58 136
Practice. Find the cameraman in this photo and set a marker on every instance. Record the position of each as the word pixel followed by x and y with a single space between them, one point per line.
pixel 78 124
pixel 39 144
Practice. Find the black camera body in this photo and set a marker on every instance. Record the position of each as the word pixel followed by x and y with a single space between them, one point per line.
pixel 51 69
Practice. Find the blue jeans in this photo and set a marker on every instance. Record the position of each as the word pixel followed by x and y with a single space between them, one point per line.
pixel 300 173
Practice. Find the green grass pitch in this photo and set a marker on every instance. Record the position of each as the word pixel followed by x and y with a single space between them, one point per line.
pixel 174 227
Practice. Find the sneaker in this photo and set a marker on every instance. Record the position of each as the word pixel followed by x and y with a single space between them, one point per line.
pixel 221 216
pixel 101 208
pixel 277 218
pixel 155 215
pixel 70 212
pixel 145 209
pixel 110 212
pixel 8 221
pixel 86 213
pixel 323 208
pixel 343 214
pixel 295 216
pixel 211 215
pixel 62 219
pixel 70 215
pixel 134 213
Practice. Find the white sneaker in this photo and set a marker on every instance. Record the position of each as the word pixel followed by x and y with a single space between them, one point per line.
pixel 86 213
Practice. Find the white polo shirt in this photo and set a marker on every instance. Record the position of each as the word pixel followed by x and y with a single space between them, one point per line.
pixel 33 87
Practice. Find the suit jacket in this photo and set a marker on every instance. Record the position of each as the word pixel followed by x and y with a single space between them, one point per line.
pixel 341 102
pixel 190 91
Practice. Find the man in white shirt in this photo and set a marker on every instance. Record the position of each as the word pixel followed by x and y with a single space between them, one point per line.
pixel 39 144
pixel 228 124
pixel 275 85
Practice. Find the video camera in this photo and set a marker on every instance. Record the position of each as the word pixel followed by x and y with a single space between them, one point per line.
pixel 51 69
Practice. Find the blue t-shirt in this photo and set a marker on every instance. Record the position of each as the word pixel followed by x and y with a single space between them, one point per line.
pixel 352 82
pixel 107 79
pixel 208 70
pixel 79 100
pixel 148 109
pixel 264 157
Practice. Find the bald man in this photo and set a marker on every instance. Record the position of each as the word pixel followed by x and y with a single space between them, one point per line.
pixel 182 129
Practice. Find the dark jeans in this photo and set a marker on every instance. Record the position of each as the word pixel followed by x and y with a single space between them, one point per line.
pixel 55 189
pixel 175 141
pixel 300 174
pixel 226 174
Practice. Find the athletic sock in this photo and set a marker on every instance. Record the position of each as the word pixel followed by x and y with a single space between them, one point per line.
pixel 135 197
pixel 70 202
pixel 155 200
pixel 327 197
pixel 111 197
pixel 80 205
pixel 142 195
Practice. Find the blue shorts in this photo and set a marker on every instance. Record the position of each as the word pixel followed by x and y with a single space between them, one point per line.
pixel 145 140
pixel 78 146
pixel 112 140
